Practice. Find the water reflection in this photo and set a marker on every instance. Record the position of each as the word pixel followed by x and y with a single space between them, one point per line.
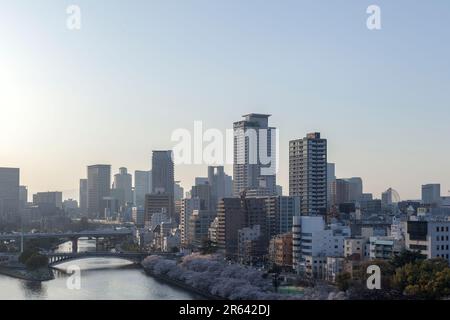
pixel 101 279
pixel 33 289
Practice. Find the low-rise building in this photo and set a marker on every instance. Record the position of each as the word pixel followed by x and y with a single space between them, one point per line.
pixel 334 267
pixel 429 236
pixel 384 247
pixel 248 244
pixel 314 241
pixel 355 247
pixel 280 250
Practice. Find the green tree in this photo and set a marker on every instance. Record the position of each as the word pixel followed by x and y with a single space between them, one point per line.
pixel 343 281
pixel 406 257
pixel 386 268
pixel 27 254
pixel 424 279
pixel 36 261
pixel 130 247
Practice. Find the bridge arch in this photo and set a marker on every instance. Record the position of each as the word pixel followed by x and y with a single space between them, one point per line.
pixel 59 258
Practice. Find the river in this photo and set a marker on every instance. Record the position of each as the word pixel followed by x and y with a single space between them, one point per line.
pixel 101 279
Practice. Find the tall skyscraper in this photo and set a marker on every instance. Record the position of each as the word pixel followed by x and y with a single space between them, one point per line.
pixel 308 173
pixel 163 177
pixel 340 192
pixel 220 183
pixel 142 186
pixel 355 189
pixel 83 196
pixel 203 192
pixel 123 183
pixel 331 178
pixel 51 199
pixel 201 180
pixel 23 197
pixel 9 194
pixel 162 172
pixel 431 194
pixel 187 208
pixel 254 164
pixel 178 191
pixel 99 188
pixel 216 179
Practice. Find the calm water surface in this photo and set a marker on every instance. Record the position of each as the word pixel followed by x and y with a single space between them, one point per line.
pixel 102 279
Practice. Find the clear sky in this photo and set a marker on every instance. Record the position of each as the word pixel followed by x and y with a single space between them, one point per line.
pixel 137 70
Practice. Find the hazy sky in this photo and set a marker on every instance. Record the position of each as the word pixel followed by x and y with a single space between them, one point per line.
pixel 137 70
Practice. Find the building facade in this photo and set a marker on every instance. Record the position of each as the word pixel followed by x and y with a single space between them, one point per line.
pixel 308 173
pixel 9 194
pixel 83 197
pixel 254 154
pixel 99 188
pixel 142 186
pixel 123 181
pixel 163 180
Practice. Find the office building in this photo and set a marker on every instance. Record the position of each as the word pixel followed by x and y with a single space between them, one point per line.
pixel 203 192
pixel 340 192
pixel 431 194
pixel 142 186
pixel 178 191
pixel 158 203
pixel 83 197
pixel 199 224
pixel 99 188
pixel 123 186
pixel 53 199
pixel 355 189
pixel 201 180
pixel 217 179
pixel 429 236
pixel 138 216
pixel 163 178
pixel 163 172
pixel 23 197
pixel 9 194
pixel 331 178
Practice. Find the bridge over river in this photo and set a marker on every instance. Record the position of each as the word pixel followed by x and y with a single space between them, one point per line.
pixel 71 236
pixel 135 257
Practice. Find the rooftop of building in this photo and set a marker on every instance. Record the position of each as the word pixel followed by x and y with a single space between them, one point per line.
pixel 256 115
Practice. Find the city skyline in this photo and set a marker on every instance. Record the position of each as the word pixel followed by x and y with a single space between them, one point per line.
pixel 379 98
pixel 198 151
pixel 115 170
